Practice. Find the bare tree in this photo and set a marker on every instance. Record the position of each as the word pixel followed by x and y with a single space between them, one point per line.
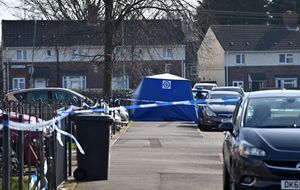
pixel 113 12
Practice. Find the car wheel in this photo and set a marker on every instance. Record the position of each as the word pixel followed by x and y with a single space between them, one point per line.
pixel 226 178
pixel 201 126
pixel 228 182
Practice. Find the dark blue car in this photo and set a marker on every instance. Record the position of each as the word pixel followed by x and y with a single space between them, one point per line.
pixel 261 149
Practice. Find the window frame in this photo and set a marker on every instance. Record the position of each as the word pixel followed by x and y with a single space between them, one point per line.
pixel 168 68
pixel 16 81
pixel 240 59
pixel 282 81
pixel 47 53
pixel 238 83
pixel 193 70
pixel 66 80
pixel 286 58
pixel 21 54
pixel 168 53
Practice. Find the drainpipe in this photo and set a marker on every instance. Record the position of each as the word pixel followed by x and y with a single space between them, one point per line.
pixel 7 72
pixel 227 66
pixel 183 66
pixel 57 65
pixel 32 57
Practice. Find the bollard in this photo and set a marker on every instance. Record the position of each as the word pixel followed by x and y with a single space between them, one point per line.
pixel 70 126
pixel 21 154
pixel 6 153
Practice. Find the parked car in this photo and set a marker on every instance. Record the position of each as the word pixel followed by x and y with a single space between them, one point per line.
pixel 220 106
pixel 200 94
pixel 230 88
pixel 30 154
pixel 47 95
pixel 261 145
pixel 205 86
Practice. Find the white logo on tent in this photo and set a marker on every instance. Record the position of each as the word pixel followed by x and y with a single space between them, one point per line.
pixel 166 84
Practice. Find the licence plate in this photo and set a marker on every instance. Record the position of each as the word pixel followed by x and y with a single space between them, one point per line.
pixel 290 184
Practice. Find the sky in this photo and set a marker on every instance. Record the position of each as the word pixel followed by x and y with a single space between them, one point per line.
pixel 7 14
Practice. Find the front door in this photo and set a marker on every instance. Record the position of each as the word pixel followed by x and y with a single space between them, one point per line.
pixel 39 83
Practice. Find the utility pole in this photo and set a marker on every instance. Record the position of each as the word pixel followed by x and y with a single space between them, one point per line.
pixel 31 68
pixel 57 65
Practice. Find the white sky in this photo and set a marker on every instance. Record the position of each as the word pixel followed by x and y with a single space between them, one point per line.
pixel 7 13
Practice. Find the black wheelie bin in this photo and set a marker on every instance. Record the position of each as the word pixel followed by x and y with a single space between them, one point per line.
pixel 93 132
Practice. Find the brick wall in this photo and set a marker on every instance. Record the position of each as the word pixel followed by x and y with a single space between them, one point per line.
pixel 271 72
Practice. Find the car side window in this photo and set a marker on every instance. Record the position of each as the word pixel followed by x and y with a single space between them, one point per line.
pixel 37 96
pixel 64 97
pixel 20 96
pixel 58 96
pixel 71 98
pixel 237 115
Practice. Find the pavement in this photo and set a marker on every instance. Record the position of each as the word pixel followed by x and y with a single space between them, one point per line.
pixel 71 183
pixel 161 156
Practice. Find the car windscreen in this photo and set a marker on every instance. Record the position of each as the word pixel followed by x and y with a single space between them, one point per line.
pixel 274 112
pixel 200 94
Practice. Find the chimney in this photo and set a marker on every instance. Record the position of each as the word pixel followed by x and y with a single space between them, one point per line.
pixel 92 13
pixel 290 20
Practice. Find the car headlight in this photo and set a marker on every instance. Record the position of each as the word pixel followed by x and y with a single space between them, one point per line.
pixel 210 113
pixel 246 151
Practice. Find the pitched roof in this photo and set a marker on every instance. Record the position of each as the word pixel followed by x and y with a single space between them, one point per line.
pixel 256 37
pixel 19 33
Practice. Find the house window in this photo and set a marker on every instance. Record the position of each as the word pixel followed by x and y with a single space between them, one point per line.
pixel 140 51
pixel 168 53
pixel 238 83
pixel 49 53
pixel 121 82
pixel 18 83
pixel 240 59
pixel 74 82
pixel 168 68
pixel 76 53
pixel 286 82
pixel 286 58
pixel 193 70
pixel 21 54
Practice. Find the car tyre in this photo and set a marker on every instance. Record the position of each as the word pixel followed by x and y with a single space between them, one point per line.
pixel 79 174
pixel 226 178
pixel 228 183
pixel 201 126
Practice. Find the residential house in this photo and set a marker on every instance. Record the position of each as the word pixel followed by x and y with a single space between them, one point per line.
pixel 252 56
pixel 69 54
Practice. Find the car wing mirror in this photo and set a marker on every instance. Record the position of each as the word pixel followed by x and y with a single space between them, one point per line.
pixel 226 126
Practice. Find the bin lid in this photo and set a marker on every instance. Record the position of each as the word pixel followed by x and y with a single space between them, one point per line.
pixel 92 117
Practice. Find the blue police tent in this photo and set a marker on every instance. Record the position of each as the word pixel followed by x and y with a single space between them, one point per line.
pixel 164 88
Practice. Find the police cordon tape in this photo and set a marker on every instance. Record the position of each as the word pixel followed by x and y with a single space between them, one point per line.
pixel 54 124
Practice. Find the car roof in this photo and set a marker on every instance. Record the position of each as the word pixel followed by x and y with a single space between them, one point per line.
pixel 205 84
pixel 46 89
pixel 227 87
pixel 273 93
pixel 225 92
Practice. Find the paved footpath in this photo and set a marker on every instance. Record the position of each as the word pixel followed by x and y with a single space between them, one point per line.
pixel 163 156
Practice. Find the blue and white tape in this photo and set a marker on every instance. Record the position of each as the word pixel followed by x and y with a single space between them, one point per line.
pixel 53 124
